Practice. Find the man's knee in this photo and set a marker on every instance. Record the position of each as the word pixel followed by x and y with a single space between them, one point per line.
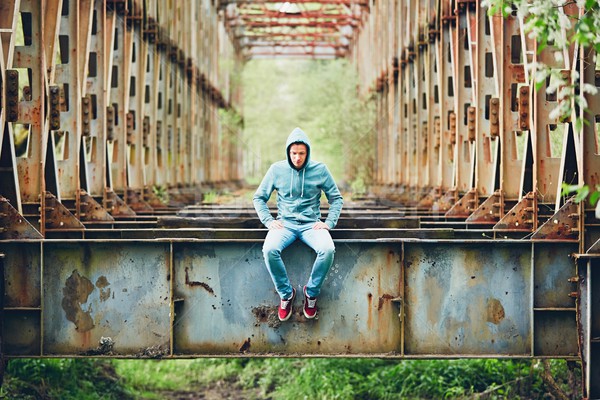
pixel 327 248
pixel 271 251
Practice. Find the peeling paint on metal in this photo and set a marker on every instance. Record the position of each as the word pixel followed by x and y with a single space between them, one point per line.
pixel 75 293
pixel 102 283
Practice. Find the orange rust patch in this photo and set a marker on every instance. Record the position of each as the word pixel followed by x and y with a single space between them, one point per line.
pixel 495 311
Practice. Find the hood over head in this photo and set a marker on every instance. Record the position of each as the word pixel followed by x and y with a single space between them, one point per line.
pixel 297 136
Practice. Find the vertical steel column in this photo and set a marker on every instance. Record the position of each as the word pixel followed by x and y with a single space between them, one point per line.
pixel 68 76
pixel 447 107
pixel 434 85
pixel 161 91
pixel 589 144
pixel 545 130
pixel 422 78
pixel 487 86
pixel 137 129
pixel 40 18
pixel 10 194
pixel 510 71
pixel 93 69
pixel 392 81
pixel 411 99
pixel 96 88
pixel 119 98
pixel 462 42
pixel 150 112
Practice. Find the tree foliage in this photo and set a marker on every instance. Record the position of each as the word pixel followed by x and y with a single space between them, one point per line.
pixel 321 98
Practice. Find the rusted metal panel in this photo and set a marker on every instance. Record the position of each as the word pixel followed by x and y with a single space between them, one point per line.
pixel 552 274
pixel 21 333
pixel 22 266
pixel 386 297
pixel 469 300
pixel 111 290
pixel 229 286
pixel 555 334
pixel 555 327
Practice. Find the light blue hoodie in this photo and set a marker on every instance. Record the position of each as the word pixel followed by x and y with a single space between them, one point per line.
pixel 298 191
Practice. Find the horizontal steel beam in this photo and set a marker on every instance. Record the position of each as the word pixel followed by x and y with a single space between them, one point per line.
pixel 384 298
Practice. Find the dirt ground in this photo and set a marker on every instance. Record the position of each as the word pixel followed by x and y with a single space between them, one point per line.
pixel 218 391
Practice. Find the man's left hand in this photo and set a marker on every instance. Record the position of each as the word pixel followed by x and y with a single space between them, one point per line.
pixel 321 225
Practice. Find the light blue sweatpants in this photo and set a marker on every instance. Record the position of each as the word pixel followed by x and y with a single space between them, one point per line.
pixel 317 239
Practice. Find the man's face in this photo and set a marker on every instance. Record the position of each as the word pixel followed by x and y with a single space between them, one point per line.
pixel 298 154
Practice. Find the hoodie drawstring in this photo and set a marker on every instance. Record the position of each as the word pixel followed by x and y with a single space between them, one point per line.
pixel 292 183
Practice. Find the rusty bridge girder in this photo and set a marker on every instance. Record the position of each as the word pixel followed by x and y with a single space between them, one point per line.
pixel 464 132
pixel 387 298
pixel 110 99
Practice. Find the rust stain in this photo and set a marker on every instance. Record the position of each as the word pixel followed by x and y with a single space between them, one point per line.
pixel 382 300
pixel 21 283
pixel 266 314
pixel 245 346
pixel 75 293
pixel 390 258
pixel 495 311
pixel 102 283
pixel 196 283
pixel 369 316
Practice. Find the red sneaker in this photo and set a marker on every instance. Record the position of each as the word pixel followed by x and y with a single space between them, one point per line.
pixel 310 305
pixel 285 307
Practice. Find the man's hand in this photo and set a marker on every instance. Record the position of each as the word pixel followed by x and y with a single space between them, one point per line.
pixel 321 225
pixel 276 224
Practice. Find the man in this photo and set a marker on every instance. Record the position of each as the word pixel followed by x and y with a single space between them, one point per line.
pixel 298 182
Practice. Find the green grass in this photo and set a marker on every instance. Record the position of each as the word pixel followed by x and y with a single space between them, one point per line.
pixel 286 378
pixel 175 374
pixel 62 378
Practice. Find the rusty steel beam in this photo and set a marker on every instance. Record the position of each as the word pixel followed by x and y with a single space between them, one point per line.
pixel 303 44
pixel 275 24
pixel 406 299
pixel 335 2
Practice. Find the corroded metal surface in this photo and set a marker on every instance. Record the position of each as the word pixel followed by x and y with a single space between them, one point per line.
pixel 229 286
pixel 468 300
pixel 198 297
pixel 105 290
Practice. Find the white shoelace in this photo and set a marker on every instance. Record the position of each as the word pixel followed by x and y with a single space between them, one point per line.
pixel 311 302
pixel 284 303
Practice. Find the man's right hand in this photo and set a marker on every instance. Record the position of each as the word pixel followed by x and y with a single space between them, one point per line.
pixel 276 224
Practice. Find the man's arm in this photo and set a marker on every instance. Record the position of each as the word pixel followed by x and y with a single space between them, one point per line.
pixel 262 195
pixel 335 199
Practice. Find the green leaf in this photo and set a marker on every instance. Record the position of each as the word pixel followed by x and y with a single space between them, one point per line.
pixel 568 189
pixel 594 198
pixel 582 193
